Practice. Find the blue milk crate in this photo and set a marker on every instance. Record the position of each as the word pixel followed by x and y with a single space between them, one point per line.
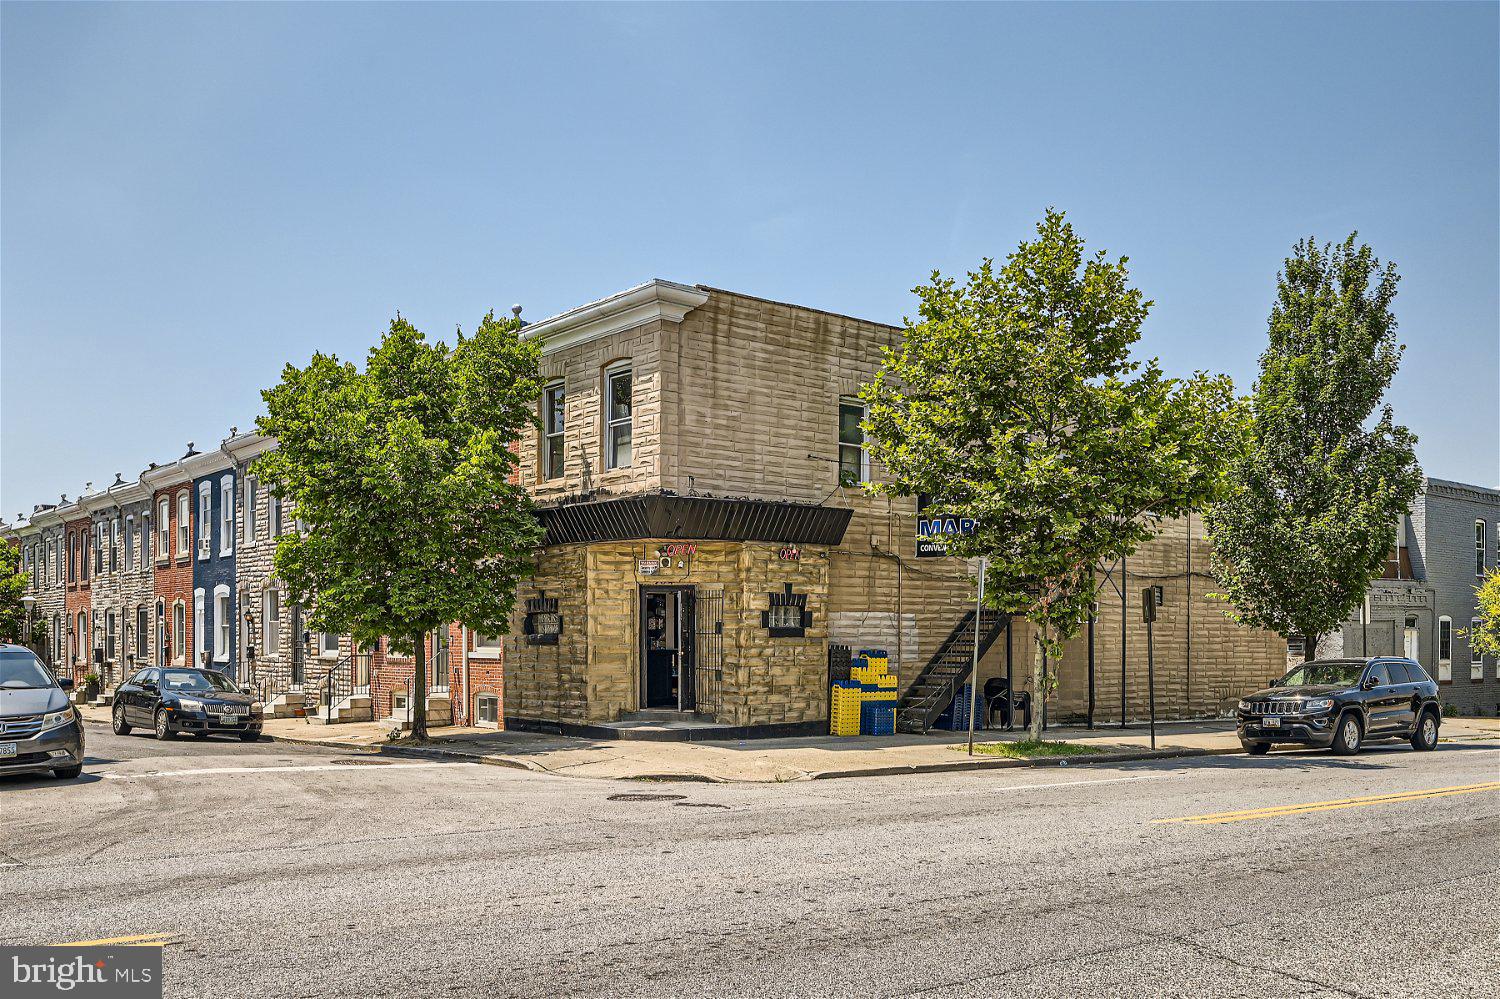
pixel 877 718
pixel 955 717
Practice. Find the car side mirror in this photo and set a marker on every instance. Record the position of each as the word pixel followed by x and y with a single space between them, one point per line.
pixel 1369 683
pixel 245 688
pixel 65 682
pixel 149 687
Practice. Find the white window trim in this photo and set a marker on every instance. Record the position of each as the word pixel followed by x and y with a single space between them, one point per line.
pixel 864 444
pixel 487 651
pixel 223 624
pixel 1448 621
pixel 164 529
pixel 248 517
pixel 548 472
pixel 198 600
pixel 323 651
pixel 1481 548
pixel 184 524
pixel 226 515
pixel 612 372
pixel 483 722
pixel 270 644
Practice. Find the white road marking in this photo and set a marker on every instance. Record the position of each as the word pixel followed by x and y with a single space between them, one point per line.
pixel 272 770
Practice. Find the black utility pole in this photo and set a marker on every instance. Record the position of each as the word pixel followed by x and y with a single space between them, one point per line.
pixel 1093 613
pixel 1124 613
pixel 1010 690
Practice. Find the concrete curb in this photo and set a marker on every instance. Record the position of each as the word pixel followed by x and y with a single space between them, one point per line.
pixel 1005 763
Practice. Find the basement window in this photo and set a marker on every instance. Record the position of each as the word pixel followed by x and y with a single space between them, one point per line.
pixel 488 710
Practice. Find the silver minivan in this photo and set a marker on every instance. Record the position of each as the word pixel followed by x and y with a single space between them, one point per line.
pixel 40 731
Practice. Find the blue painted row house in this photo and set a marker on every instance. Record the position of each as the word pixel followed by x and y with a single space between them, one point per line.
pixel 215 610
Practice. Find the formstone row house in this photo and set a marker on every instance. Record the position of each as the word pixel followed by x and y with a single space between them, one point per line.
pixel 175 568
pixel 710 556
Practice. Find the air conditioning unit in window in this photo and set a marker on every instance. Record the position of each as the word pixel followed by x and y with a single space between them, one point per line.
pixel 204 548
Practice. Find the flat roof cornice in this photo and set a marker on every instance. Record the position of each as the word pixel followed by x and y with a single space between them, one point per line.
pixel 657 299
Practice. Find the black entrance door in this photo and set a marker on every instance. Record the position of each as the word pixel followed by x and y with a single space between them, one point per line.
pixel 666 647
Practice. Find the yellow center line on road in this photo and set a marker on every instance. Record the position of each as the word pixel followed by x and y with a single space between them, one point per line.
pixel 1279 811
pixel 139 940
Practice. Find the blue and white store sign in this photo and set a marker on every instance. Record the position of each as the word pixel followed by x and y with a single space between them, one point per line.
pixel 933 533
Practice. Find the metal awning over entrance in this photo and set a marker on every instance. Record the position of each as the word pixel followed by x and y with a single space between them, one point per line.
pixel 696 518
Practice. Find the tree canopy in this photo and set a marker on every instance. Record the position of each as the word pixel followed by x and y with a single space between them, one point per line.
pixel 402 477
pixel 1320 491
pixel 12 589
pixel 1015 400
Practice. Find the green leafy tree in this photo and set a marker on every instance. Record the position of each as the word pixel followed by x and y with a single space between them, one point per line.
pixel 12 589
pixel 1015 401
pixel 402 477
pixel 1328 473
pixel 1486 638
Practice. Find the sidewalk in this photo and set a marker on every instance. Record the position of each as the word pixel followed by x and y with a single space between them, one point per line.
pixel 774 760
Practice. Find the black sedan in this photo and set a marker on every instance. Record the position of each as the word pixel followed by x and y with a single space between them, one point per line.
pixel 1342 704
pixel 172 699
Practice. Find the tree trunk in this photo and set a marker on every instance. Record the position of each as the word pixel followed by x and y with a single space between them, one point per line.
pixel 1038 686
pixel 418 704
pixel 1310 647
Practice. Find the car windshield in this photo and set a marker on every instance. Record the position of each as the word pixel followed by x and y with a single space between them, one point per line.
pixel 1324 673
pixel 193 679
pixel 22 669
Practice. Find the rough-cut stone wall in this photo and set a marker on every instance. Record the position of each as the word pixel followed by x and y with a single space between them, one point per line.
pixel 581 368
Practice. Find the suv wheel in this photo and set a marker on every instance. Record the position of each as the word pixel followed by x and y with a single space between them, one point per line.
pixel 1426 735
pixel 1347 739
pixel 120 725
pixel 163 727
pixel 1257 748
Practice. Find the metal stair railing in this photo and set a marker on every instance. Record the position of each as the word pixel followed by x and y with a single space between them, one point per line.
pixel 337 684
pixel 934 688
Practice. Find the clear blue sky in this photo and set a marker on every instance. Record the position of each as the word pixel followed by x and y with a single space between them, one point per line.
pixel 193 195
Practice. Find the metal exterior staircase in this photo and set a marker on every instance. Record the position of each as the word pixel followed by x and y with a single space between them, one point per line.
pixel 935 687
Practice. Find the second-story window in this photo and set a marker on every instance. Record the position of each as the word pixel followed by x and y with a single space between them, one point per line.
pixel 554 416
pixel 163 529
pixel 1480 547
pixel 226 515
pixel 617 430
pixel 129 543
pixel 114 545
pixel 274 514
pixel 252 496
pixel 72 560
pixel 86 538
pixel 184 526
pixel 854 462
pixel 101 539
pixel 205 520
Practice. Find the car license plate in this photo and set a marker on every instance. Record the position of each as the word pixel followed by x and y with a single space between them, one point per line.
pixel 1270 723
pixel 7 749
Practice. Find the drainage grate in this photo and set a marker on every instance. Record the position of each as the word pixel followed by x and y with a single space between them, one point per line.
pixel 349 761
pixel 647 797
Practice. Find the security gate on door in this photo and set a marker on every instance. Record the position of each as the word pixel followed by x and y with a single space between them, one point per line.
pixel 708 670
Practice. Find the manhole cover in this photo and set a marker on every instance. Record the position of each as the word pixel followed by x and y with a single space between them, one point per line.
pixel 358 762
pixel 647 797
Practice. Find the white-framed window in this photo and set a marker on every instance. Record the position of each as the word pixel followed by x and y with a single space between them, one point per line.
pixel 854 460
pixel 554 422
pixel 1445 647
pixel 226 515
pixel 270 621
pixel 1476 658
pixel 205 519
pixel 486 646
pixel 163 530
pixel 142 544
pixel 184 526
pixel 179 632
pixel 488 709
pixel 252 497
pixel 1481 544
pixel 618 430
pixel 129 544
pixel 51 562
pixel 114 545
pixel 109 636
pixel 223 622
pixel 328 645
pixel 274 527
pixel 101 541
pixel 198 597
pixel 142 633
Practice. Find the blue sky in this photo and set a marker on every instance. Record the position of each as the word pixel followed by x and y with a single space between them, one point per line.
pixel 194 195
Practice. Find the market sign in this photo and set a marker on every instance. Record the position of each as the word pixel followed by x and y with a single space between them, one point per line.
pixel 649 566
pixel 933 533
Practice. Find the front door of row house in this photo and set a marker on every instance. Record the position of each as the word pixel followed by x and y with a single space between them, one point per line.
pixel 682 648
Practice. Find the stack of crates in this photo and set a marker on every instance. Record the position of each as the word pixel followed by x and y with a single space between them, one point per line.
pixel 845 698
pixel 955 718
pixel 866 704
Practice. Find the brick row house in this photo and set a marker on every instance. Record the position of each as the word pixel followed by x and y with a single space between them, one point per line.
pixel 709 551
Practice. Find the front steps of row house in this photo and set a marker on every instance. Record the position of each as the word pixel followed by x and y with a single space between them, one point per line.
pixel 934 688
pixel 439 712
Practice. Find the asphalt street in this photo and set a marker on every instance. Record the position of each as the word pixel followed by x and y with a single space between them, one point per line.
pixel 280 871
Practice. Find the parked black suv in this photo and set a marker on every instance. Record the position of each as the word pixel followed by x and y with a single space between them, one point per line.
pixel 172 699
pixel 1343 703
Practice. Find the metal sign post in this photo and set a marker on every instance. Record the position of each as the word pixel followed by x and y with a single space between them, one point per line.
pixel 974 672
pixel 1148 614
